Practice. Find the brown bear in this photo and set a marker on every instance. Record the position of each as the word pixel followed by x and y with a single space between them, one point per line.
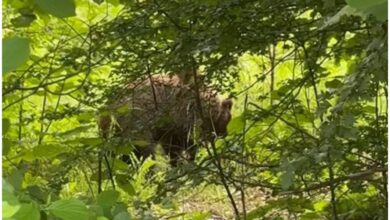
pixel 163 110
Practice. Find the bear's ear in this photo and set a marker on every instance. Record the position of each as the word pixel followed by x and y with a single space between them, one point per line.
pixel 227 104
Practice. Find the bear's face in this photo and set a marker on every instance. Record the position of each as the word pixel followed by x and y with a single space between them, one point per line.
pixel 223 117
pixel 217 117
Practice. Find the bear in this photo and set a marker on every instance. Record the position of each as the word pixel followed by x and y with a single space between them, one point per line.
pixel 164 110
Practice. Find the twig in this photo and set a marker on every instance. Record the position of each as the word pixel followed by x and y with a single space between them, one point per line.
pixel 355 176
pixel 243 171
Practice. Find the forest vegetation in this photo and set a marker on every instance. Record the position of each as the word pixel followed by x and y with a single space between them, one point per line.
pixel 284 104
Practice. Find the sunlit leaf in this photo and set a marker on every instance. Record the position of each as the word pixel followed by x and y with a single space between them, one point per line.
pixel 10 203
pixel 320 205
pixel 69 209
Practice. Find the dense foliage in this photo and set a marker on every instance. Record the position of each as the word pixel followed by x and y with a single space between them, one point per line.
pixel 308 138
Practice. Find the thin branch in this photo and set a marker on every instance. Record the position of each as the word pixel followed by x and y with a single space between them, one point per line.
pixel 352 177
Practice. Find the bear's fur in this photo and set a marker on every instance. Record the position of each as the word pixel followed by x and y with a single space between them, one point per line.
pixel 163 109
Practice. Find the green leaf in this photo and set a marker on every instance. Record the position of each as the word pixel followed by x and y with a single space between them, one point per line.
pixel 10 202
pixel 120 165
pixel 122 216
pixel 9 209
pixel 334 84
pixel 125 185
pixel 320 205
pixel 236 125
pixel 379 11
pixel 287 177
pixel 345 11
pixel 348 119
pixel 7 188
pixel 329 3
pixel 364 4
pixel 96 210
pixel 75 131
pixel 98 1
pixel 348 132
pixel 328 130
pixel 60 8
pixel 369 109
pixel 48 151
pixel 198 215
pixel 69 209
pixel 140 143
pixel 128 188
pixel 115 2
pixel 108 198
pixel 118 208
pixel 259 212
pixel 16 179
pixel 123 109
pixel 16 52
pixel 6 125
pixel 23 20
pixel 209 2
pixel 6 146
pixel 38 193
pixel 378 8
pixel 86 117
pixel 28 211
pixel 311 215
pixel 92 141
